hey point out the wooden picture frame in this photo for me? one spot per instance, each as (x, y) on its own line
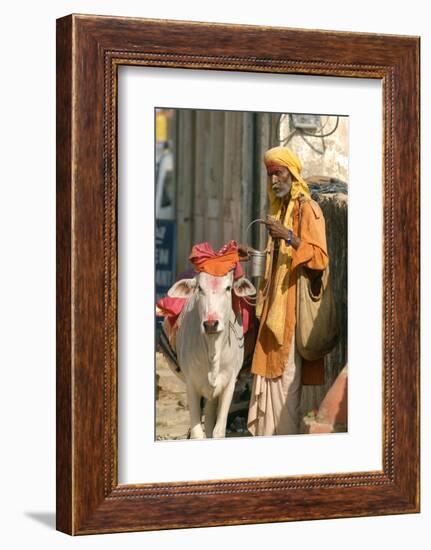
(89, 51)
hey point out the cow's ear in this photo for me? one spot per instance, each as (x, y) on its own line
(182, 288)
(243, 287)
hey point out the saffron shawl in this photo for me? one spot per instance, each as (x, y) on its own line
(277, 307)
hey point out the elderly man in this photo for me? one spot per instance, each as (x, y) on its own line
(296, 228)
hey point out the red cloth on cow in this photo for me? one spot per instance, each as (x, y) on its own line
(170, 308)
(246, 310)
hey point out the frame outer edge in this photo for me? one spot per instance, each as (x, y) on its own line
(64, 368)
(80, 504)
(407, 288)
(90, 423)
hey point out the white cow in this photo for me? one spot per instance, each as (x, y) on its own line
(210, 347)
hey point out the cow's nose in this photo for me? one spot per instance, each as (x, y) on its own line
(210, 326)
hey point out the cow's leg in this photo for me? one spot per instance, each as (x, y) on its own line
(210, 416)
(224, 401)
(194, 400)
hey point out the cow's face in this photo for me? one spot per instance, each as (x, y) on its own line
(214, 301)
(214, 298)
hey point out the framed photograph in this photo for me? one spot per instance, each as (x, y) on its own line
(224, 187)
(237, 274)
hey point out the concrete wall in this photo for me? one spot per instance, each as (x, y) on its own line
(326, 156)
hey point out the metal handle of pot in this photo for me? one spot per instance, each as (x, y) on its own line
(260, 220)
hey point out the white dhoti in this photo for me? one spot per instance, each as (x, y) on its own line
(274, 402)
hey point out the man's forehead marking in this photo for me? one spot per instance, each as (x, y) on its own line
(273, 167)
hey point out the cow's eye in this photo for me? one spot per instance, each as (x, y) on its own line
(200, 289)
(228, 288)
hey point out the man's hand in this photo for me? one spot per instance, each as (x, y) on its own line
(278, 231)
(243, 252)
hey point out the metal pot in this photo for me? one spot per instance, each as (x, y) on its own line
(257, 258)
(257, 263)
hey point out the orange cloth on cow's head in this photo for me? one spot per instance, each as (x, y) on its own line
(218, 263)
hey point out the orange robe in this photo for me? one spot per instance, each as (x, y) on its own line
(270, 358)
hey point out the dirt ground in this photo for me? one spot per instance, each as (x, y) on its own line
(172, 415)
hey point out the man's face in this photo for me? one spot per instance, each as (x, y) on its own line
(281, 181)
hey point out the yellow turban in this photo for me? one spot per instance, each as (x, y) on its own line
(275, 320)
